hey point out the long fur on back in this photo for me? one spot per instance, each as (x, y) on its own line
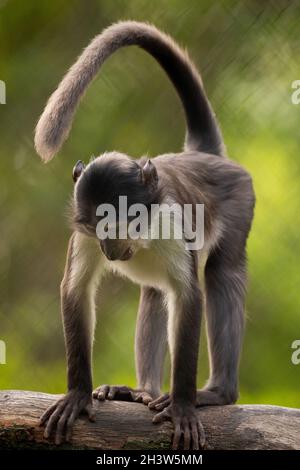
(203, 133)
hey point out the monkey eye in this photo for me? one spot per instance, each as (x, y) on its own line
(77, 170)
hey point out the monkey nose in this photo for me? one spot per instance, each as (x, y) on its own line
(111, 256)
(127, 254)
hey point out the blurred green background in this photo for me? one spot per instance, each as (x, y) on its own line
(248, 54)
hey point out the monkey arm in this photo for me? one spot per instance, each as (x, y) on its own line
(185, 309)
(77, 299)
(184, 331)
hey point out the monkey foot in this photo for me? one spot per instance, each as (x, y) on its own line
(187, 426)
(59, 418)
(122, 393)
(211, 397)
(205, 397)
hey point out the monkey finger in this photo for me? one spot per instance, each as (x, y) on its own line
(70, 423)
(195, 436)
(176, 435)
(61, 424)
(186, 434)
(45, 416)
(53, 420)
(201, 433)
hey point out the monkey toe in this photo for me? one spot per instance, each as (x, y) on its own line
(160, 403)
(164, 415)
(101, 392)
(113, 392)
(142, 397)
(207, 397)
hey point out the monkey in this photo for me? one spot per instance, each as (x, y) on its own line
(172, 299)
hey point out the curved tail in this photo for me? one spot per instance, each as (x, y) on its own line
(203, 133)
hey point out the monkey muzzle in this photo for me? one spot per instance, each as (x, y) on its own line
(114, 250)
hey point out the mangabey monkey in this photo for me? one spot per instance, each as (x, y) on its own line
(171, 299)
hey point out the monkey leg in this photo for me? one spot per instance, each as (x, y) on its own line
(150, 349)
(225, 281)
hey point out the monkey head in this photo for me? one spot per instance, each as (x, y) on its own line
(100, 184)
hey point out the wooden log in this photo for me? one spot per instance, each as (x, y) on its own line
(125, 426)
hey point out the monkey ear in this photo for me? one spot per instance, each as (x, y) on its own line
(77, 170)
(149, 174)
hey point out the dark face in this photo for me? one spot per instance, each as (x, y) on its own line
(103, 181)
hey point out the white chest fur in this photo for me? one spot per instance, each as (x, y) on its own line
(158, 265)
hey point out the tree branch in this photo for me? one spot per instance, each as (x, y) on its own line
(123, 425)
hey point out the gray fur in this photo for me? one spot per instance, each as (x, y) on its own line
(55, 123)
(184, 352)
(199, 175)
(78, 338)
(150, 340)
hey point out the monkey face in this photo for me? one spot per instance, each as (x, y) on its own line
(102, 183)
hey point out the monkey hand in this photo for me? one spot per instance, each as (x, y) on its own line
(186, 423)
(59, 418)
(122, 393)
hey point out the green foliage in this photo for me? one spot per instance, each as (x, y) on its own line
(245, 51)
